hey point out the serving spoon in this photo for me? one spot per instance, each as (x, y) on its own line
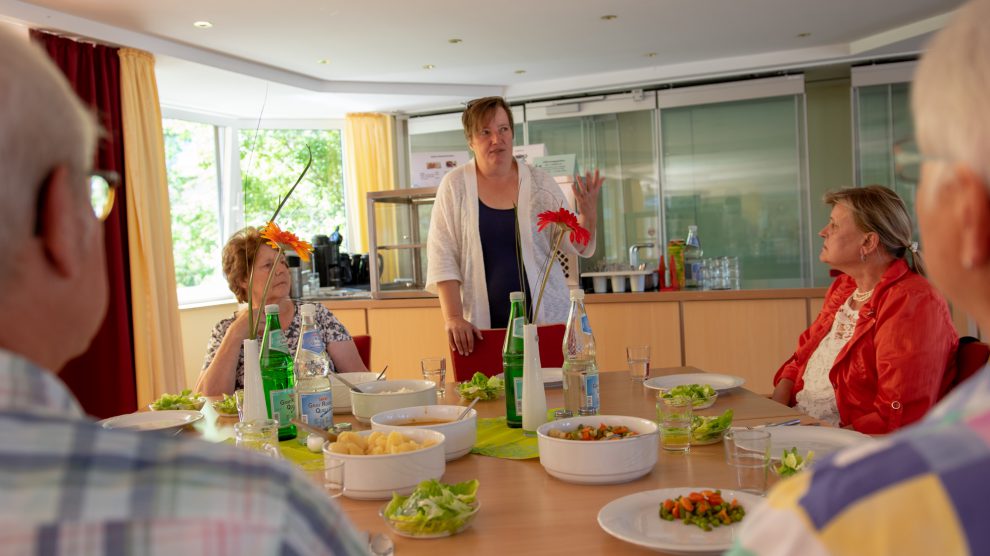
(467, 409)
(381, 374)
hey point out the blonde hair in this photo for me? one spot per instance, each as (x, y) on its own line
(480, 110)
(238, 259)
(880, 210)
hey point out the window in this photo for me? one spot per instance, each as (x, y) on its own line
(223, 176)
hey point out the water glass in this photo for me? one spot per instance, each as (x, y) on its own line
(675, 423)
(747, 451)
(730, 266)
(333, 475)
(638, 358)
(260, 435)
(435, 370)
(239, 400)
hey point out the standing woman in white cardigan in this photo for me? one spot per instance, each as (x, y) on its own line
(472, 244)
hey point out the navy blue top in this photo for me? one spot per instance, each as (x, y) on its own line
(497, 228)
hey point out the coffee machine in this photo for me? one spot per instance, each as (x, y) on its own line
(326, 261)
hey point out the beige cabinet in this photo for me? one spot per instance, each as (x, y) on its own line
(401, 337)
(617, 325)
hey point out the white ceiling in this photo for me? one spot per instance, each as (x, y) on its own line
(261, 56)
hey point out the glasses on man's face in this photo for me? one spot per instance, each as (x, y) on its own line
(102, 191)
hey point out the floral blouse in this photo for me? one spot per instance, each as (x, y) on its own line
(331, 328)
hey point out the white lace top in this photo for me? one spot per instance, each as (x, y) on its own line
(817, 398)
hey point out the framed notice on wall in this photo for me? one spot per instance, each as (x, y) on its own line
(427, 169)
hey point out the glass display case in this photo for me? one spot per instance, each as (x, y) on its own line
(398, 223)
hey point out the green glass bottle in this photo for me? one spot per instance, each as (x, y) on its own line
(277, 376)
(512, 360)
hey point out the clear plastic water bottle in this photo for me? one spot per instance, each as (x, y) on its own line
(512, 360)
(314, 400)
(580, 366)
(692, 259)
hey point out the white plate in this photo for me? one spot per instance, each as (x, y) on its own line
(720, 383)
(152, 420)
(823, 440)
(553, 376)
(636, 519)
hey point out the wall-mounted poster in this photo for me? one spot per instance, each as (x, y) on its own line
(427, 169)
(529, 153)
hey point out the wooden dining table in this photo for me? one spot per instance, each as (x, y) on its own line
(525, 510)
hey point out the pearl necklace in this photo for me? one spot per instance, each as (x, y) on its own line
(860, 297)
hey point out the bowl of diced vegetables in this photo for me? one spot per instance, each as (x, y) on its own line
(710, 430)
(183, 400)
(598, 449)
(482, 387)
(702, 396)
(433, 510)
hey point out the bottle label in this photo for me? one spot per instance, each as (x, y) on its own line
(283, 404)
(276, 341)
(312, 341)
(585, 325)
(517, 327)
(316, 408)
(518, 386)
(590, 391)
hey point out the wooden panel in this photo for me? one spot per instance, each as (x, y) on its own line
(750, 339)
(617, 325)
(814, 307)
(354, 320)
(401, 337)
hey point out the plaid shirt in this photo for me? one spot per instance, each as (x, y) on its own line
(68, 486)
(921, 491)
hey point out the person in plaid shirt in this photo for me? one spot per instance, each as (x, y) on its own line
(923, 490)
(68, 486)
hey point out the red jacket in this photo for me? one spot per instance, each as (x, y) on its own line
(890, 371)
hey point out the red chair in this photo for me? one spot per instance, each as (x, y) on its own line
(363, 344)
(487, 355)
(971, 356)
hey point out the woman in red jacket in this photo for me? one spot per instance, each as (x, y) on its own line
(874, 358)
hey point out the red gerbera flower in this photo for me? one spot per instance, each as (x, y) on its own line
(287, 240)
(567, 219)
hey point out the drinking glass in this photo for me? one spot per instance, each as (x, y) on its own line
(260, 435)
(747, 451)
(675, 423)
(732, 276)
(239, 400)
(435, 370)
(638, 358)
(333, 475)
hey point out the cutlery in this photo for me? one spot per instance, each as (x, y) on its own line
(782, 423)
(325, 435)
(347, 383)
(467, 409)
(381, 374)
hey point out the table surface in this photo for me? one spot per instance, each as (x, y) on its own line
(522, 505)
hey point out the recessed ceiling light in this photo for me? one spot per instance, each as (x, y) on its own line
(323, 61)
(609, 17)
(520, 72)
(803, 35)
(202, 24)
(650, 54)
(455, 41)
(428, 66)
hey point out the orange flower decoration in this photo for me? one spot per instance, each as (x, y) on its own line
(287, 240)
(565, 219)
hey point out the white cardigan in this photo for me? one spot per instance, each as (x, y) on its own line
(454, 245)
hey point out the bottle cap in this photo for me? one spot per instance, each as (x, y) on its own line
(341, 427)
(516, 296)
(577, 294)
(562, 414)
(271, 309)
(692, 228)
(587, 411)
(307, 310)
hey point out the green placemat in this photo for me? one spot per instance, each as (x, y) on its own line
(497, 440)
(298, 454)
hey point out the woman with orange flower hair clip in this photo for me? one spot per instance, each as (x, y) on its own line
(223, 369)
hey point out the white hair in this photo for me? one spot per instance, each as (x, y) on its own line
(951, 111)
(43, 124)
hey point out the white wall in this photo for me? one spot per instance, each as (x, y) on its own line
(197, 324)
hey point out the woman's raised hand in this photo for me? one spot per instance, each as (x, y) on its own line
(586, 194)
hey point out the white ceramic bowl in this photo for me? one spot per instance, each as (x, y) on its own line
(599, 462)
(377, 477)
(460, 434)
(342, 394)
(381, 395)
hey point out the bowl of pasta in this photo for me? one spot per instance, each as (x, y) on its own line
(378, 463)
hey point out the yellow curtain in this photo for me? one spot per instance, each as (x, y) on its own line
(369, 145)
(158, 359)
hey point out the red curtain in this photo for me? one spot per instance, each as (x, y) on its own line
(103, 377)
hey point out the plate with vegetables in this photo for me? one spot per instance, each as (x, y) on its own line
(433, 510)
(710, 430)
(482, 387)
(185, 400)
(640, 518)
(702, 396)
(721, 383)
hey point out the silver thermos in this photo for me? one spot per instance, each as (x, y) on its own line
(295, 276)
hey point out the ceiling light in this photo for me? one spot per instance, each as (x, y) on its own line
(323, 61)
(520, 72)
(202, 24)
(455, 41)
(650, 54)
(428, 66)
(803, 35)
(609, 17)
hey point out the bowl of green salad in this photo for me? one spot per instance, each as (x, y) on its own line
(183, 400)
(710, 430)
(433, 510)
(702, 395)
